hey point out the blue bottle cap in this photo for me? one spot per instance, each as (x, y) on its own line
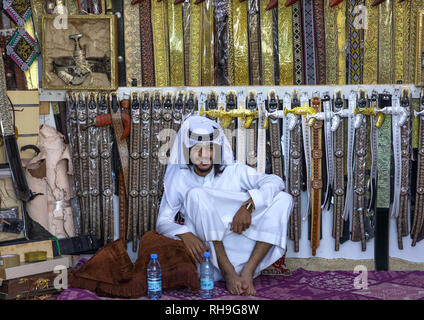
(153, 256)
(207, 254)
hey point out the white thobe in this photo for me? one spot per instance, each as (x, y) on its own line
(209, 204)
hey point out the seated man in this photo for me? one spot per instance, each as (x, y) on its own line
(229, 209)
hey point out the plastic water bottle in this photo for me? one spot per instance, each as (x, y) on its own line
(206, 277)
(154, 278)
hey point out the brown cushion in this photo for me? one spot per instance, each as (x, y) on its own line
(111, 273)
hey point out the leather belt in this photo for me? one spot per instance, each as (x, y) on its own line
(132, 43)
(241, 43)
(316, 182)
(145, 158)
(253, 20)
(93, 167)
(285, 45)
(402, 221)
(339, 168)
(359, 184)
(189, 104)
(195, 45)
(371, 44)
(295, 165)
(274, 135)
(176, 45)
(146, 37)
(84, 159)
(252, 132)
(134, 212)
(417, 230)
(267, 52)
(72, 120)
(155, 127)
(261, 144)
(319, 25)
(160, 43)
(106, 183)
(297, 44)
(231, 104)
(241, 131)
(348, 209)
(309, 42)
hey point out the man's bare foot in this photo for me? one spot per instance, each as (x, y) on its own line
(247, 282)
(234, 283)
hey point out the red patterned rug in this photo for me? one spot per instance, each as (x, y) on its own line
(305, 285)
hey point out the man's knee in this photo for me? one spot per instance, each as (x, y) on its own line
(284, 200)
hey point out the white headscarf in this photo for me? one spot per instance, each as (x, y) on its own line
(196, 129)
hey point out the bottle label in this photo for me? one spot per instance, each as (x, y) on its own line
(206, 284)
(154, 284)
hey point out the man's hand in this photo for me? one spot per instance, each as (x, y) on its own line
(194, 246)
(241, 220)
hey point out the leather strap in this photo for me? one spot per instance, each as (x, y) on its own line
(145, 160)
(359, 184)
(261, 144)
(253, 20)
(240, 44)
(160, 43)
(339, 169)
(319, 26)
(241, 131)
(285, 45)
(316, 181)
(297, 44)
(295, 170)
(274, 136)
(107, 186)
(348, 209)
(146, 38)
(418, 220)
(252, 132)
(84, 156)
(231, 104)
(371, 44)
(72, 120)
(404, 204)
(132, 43)
(309, 42)
(155, 127)
(93, 168)
(267, 45)
(134, 212)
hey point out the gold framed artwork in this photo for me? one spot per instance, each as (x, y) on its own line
(80, 53)
(419, 60)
